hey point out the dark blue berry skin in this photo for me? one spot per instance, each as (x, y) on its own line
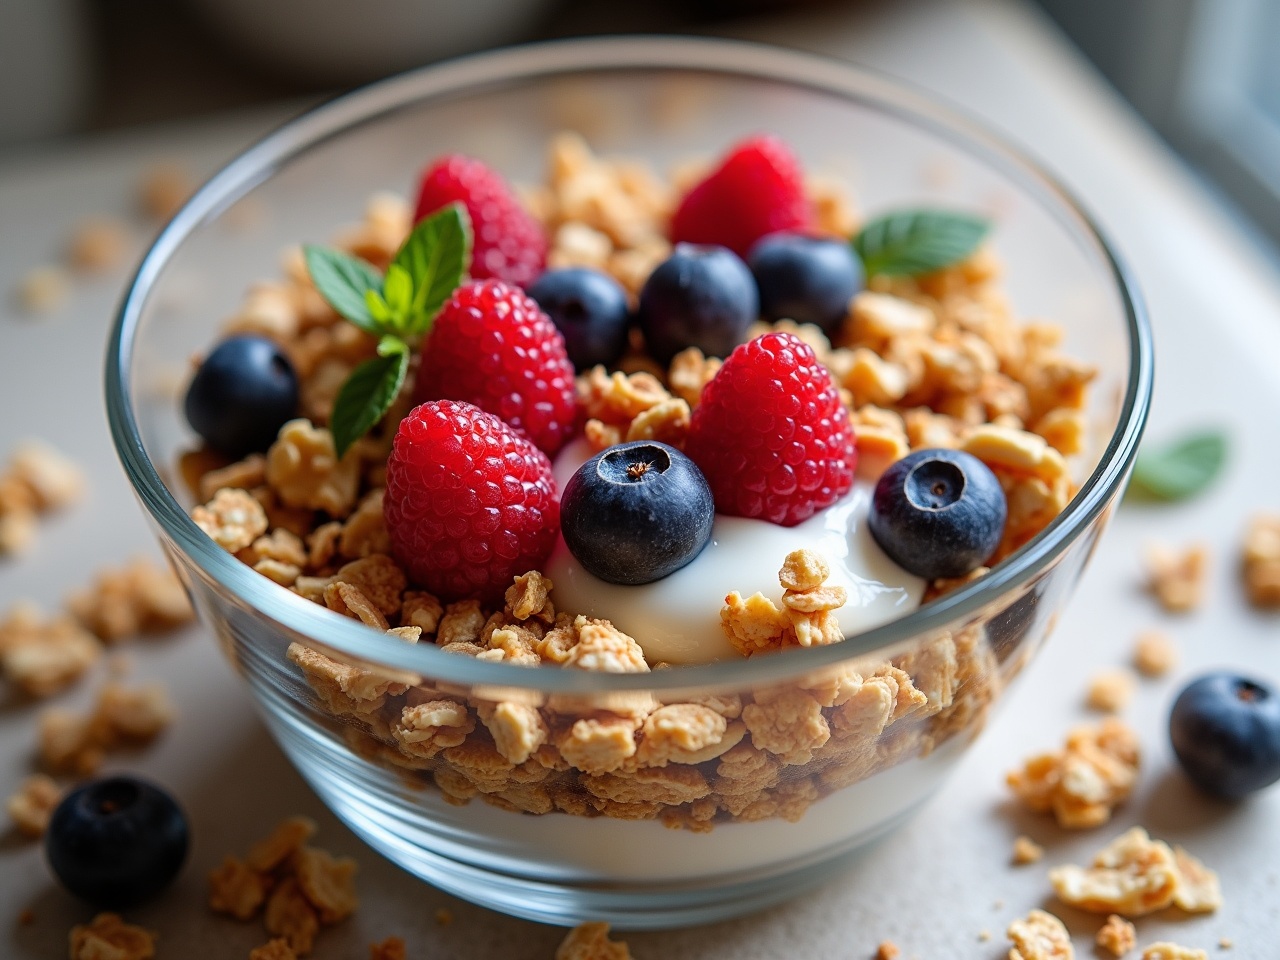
(241, 396)
(938, 513)
(805, 279)
(1225, 730)
(700, 296)
(590, 310)
(116, 842)
(636, 512)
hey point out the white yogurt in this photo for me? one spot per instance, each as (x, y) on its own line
(677, 618)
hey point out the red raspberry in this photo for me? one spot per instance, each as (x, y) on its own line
(508, 244)
(469, 504)
(771, 435)
(492, 346)
(758, 189)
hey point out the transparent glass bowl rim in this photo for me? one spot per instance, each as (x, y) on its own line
(537, 61)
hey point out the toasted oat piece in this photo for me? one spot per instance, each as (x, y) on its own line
(1117, 936)
(391, 948)
(1026, 850)
(97, 244)
(1260, 561)
(590, 941)
(1177, 578)
(107, 937)
(1171, 951)
(1110, 690)
(1084, 781)
(141, 597)
(1154, 654)
(1136, 875)
(43, 290)
(1040, 936)
(887, 950)
(275, 949)
(32, 805)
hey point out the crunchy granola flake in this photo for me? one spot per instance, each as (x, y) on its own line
(1040, 936)
(1117, 936)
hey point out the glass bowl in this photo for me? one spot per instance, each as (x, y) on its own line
(814, 753)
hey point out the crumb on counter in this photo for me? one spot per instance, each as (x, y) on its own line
(1039, 936)
(31, 806)
(1117, 936)
(137, 599)
(75, 743)
(888, 950)
(1154, 654)
(37, 480)
(275, 949)
(1171, 951)
(97, 244)
(444, 917)
(590, 941)
(1026, 850)
(164, 188)
(1135, 875)
(43, 290)
(42, 656)
(108, 937)
(1110, 690)
(1176, 577)
(392, 948)
(1260, 561)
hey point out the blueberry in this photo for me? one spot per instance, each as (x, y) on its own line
(590, 310)
(1225, 730)
(938, 513)
(116, 842)
(636, 512)
(242, 395)
(805, 279)
(700, 296)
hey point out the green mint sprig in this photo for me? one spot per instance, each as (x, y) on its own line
(397, 308)
(1180, 469)
(913, 242)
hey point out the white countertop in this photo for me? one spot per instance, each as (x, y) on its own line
(946, 876)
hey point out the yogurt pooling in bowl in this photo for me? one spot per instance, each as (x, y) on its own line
(677, 619)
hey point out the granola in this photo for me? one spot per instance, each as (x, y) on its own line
(1026, 850)
(1154, 654)
(1110, 690)
(1081, 783)
(1040, 936)
(1177, 578)
(590, 941)
(32, 805)
(108, 937)
(1171, 951)
(1260, 561)
(1135, 875)
(1117, 936)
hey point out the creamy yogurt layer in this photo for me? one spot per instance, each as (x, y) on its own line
(677, 619)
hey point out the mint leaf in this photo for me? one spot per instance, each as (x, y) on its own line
(1180, 469)
(436, 257)
(912, 242)
(344, 280)
(366, 397)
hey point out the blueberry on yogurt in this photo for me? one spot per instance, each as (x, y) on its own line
(636, 512)
(938, 513)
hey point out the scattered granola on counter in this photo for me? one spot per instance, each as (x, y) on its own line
(1154, 654)
(31, 806)
(43, 290)
(298, 888)
(40, 656)
(274, 949)
(1171, 951)
(1111, 690)
(888, 950)
(590, 941)
(97, 244)
(1136, 875)
(1083, 782)
(75, 743)
(37, 480)
(392, 948)
(1260, 561)
(108, 937)
(137, 599)
(1117, 936)
(1026, 850)
(1176, 577)
(1039, 936)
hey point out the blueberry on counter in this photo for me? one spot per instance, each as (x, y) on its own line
(241, 396)
(700, 296)
(590, 310)
(636, 512)
(1225, 730)
(805, 279)
(938, 513)
(116, 842)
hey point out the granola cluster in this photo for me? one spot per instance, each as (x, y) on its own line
(37, 480)
(108, 937)
(75, 744)
(1081, 783)
(1136, 875)
(298, 889)
(805, 619)
(1260, 561)
(1040, 936)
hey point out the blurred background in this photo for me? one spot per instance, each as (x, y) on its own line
(1205, 74)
